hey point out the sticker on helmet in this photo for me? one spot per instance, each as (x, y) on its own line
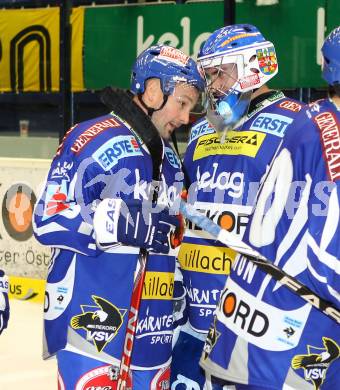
(174, 55)
(267, 60)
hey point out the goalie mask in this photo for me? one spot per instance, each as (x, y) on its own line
(331, 59)
(235, 60)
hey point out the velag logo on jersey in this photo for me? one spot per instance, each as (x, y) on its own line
(316, 362)
(271, 123)
(101, 323)
(115, 149)
(246, 143)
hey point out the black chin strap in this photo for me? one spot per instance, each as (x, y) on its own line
(121, 102)
(185, 172)
(150, 110)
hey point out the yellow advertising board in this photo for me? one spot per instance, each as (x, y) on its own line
(27, 289)
(30, 49)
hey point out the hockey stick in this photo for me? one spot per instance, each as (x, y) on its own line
(121, 103)
(233, 242)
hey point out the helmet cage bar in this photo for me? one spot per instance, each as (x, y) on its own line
(222, 89)
(227, 74)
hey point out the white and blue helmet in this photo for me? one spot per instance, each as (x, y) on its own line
(253, 61)
(169, 65)
(331, 58)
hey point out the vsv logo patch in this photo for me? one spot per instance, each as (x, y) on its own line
(101, 323)
(316, 362)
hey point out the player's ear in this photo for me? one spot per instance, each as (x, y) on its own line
(153, 93)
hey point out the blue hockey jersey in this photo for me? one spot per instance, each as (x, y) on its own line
(263, 334)
(88, 290)
(224, 181)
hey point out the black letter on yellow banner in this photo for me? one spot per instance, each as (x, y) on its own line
(41, 36)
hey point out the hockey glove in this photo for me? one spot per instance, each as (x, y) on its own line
(4, 304)
(135, 223)
(176, 237)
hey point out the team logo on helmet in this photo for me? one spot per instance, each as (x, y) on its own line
(267, 60)
(101, 323)
(316, 362)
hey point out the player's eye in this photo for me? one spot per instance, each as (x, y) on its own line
(182, 102)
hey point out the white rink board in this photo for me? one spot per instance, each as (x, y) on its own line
(21, 364)
(21, 255)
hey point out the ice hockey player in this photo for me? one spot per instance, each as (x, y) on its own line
(265, 336)
(102, 177)
(229, 151)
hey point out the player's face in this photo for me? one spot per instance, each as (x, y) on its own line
(176, 111)
(221, 78)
